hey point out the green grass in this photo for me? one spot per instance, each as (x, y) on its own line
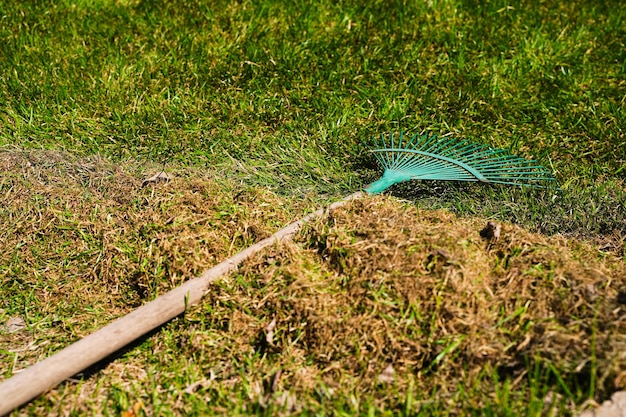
(280, 95)
(290, 90)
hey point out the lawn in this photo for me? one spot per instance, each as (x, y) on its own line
(261, 111)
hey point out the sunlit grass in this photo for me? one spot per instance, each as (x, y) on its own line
(278, 97)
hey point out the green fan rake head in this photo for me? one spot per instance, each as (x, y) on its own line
(428, 157)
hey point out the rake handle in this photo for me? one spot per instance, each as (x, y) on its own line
(45, 375)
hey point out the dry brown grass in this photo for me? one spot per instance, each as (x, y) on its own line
(376, 306)
(83, 242)
(379, 283)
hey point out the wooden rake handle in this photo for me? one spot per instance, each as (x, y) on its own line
(45, 375)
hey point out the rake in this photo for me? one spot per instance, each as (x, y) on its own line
(428, 157)
(422, 157)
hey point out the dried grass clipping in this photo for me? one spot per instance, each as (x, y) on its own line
(378, 285)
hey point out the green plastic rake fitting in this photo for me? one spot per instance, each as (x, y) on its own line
(428, 157)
